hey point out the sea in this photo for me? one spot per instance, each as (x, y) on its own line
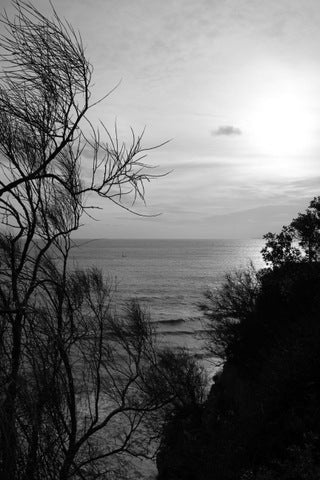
(168, 278)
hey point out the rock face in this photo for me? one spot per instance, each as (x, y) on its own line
(265, 403)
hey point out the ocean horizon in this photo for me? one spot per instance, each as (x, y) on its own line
(167, 276)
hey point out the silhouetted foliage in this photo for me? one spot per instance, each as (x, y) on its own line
(307, 228)
(227, 310)
(261, 420)
(187, 381)
(279, 249)
(304, 230)
(179, 373)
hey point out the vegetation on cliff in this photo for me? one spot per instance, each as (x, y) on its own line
(262, 417)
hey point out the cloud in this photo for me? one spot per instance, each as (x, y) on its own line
(227, 130)
(252, 223)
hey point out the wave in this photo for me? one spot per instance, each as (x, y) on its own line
(174, 321)
(175, 333)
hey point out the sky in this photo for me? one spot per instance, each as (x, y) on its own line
(234, 85)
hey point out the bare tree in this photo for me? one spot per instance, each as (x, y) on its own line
(68, 367)
(227, 309)
(85, 394)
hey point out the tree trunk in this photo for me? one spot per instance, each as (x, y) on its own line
(8, 420)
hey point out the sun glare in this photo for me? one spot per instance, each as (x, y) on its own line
(281, 125)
